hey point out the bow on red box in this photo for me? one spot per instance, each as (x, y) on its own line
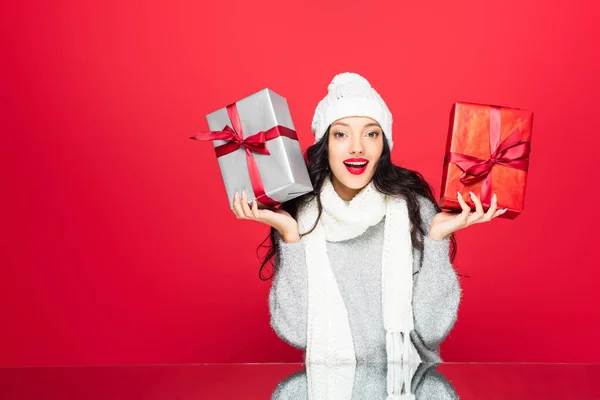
(252, 144)
(512, 152)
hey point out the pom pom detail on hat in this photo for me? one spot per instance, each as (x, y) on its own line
(351, 95)
(346, 78)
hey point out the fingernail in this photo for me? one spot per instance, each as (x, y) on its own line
(236, 195)
(494, 196)
(503, 211)
(244, 193)
(459, 195)
(472, 194)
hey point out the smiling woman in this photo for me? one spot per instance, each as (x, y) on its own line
(362, 267)
(361, 138)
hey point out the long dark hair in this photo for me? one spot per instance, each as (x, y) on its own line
(388, 179)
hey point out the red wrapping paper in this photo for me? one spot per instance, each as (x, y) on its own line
(487, 151)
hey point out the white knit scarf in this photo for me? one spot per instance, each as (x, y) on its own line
(329, 338)
(336, 382)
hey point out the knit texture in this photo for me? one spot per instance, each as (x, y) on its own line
(351, 95)
(329, 337)
(356, 264)
(370, 383)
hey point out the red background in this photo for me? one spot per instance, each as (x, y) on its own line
(258, 381)
(117, 245)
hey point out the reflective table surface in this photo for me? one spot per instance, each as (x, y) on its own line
(292, 381)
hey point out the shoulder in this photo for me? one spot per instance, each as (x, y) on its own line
(294, 386)
(435, 386)
(427, 208)
(425, 202)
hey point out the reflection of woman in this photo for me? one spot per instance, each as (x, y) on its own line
(370, 382)
(362, 270)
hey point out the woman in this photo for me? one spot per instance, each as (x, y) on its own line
(369, 381)
(362, 265)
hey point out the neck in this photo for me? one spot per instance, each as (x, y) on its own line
(342, 190)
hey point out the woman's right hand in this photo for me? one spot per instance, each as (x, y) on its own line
(279, 219)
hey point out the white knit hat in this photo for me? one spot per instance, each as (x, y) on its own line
(351, 95)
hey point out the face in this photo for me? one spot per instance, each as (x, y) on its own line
(355, 146)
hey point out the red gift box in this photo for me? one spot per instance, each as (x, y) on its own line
(487, 152)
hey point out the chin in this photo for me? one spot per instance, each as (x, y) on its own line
(354, 182)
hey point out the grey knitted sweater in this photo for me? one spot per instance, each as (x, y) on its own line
(356, 264)
(370, 383)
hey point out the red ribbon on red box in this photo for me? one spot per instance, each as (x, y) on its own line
(511, 152)
(252, 144)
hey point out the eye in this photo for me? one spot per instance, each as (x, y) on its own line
(339, 134)
(373, 134)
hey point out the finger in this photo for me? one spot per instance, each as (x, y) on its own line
(491, 212)
(245, 207)
(263, 215)
(466, 210)
(500, 212)
(478, 214)
(461, 219)
(463, 204)
(255, 210)
(237, 207)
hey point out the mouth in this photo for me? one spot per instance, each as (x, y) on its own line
(356, 166)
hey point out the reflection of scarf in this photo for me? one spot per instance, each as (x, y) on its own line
(369, 383)
(329, 338)
(336, 382)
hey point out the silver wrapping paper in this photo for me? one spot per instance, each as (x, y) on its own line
(283, 171)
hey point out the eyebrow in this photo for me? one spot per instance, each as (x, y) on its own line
(367, 125)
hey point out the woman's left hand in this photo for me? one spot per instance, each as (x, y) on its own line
(445, 223)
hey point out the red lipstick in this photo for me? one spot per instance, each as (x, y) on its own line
(356, 166)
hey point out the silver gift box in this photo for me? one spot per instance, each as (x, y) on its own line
(283, 171)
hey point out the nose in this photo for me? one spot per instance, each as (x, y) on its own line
(356, 145)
